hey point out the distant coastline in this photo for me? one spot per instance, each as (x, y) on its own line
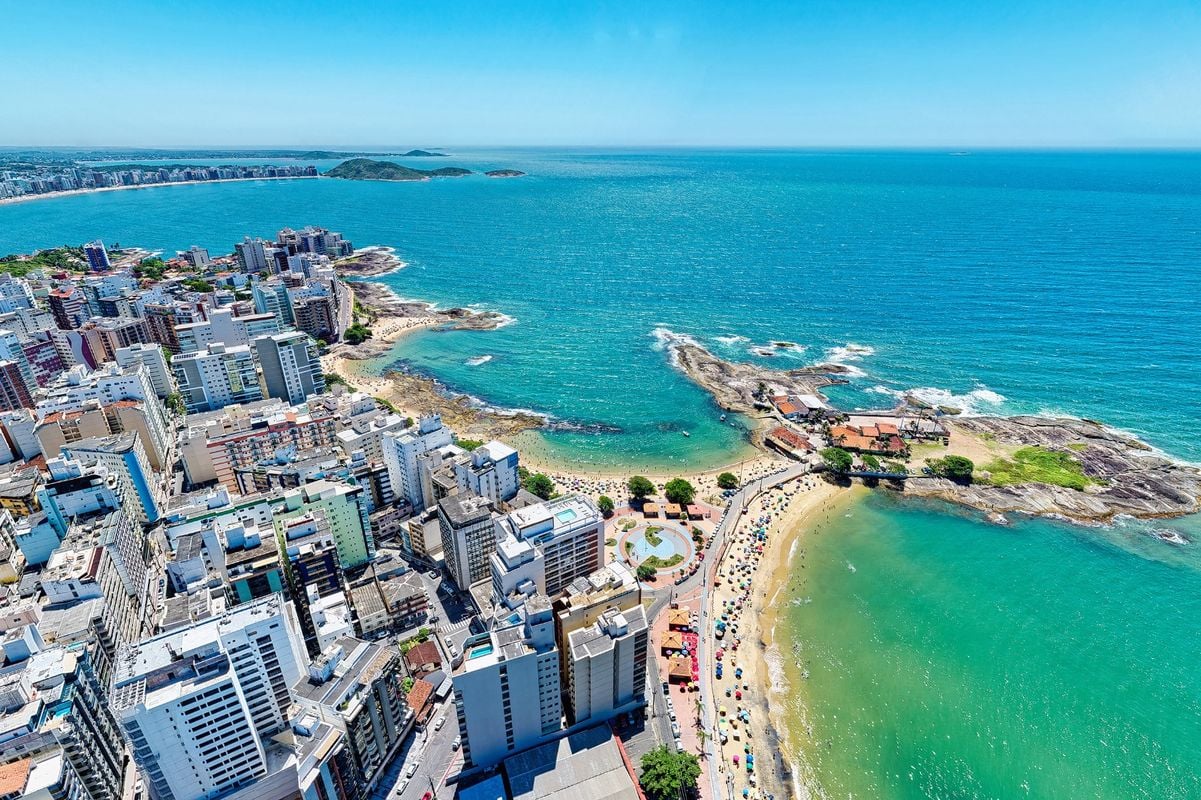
(69, 192)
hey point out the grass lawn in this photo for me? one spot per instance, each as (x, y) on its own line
(652, 536)
(654, 562)
(1038, 465)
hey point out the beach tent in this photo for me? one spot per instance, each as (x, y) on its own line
(672, 640)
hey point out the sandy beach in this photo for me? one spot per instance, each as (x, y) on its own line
(70, 192)
(785, 514)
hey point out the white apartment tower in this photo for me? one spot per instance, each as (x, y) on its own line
(151, 356)
(507, 689)
(291, 367)
(216, 377)
(543, 548)
(199, 704)
(400, 452)
(489, 471)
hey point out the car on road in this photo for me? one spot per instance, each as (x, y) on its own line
(457, 743)
(675, 729)
(412, 770)
(666, 687)
(433, 574)
(427, 796)
(441, 721)
(400, 787)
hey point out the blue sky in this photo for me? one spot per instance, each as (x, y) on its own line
(854, 74)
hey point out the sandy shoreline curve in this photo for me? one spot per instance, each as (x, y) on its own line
(4, 201)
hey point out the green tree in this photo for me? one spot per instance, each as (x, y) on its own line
(645, 572)
(678, 490)
(668, 775)
(540, 485)
(357, 333)
(468, 444)
(955, 468)
(640, 487)
(606, 505)
(836, 459)
(727, 480)
(175, 403)
(871, 462)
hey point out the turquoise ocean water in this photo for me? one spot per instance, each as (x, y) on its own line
(998, 282)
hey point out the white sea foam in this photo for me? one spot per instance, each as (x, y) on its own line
(850, 351)
(731, 340)
(972, 404)
(475, 361)
(668, 340)
(505, 320)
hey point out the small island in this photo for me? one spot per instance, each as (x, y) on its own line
(504, 173)
(366, 169)
(422, 154)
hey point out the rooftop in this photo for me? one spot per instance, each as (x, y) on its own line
(584, 766)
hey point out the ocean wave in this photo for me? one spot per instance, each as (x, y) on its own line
(667, 340)
(731, 339)
(475, 361)
(851, 351)
(969, 404)
(505, 320)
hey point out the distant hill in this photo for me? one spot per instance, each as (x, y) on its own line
(422, 154)
(366, 169)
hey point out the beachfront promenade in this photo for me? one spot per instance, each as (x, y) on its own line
(703, 579)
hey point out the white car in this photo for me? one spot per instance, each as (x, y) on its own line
(400, 787)
(457, 743)
(441, 721)
(412, 770)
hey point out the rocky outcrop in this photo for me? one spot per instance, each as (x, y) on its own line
(736, 387)
(1131, 478)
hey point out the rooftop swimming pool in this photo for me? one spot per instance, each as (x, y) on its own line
(481, 651)
(566, 515)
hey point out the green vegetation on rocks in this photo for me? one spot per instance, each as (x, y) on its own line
(1038, 465)
(367, 169)
(57, 259)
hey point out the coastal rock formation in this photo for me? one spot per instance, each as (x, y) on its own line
(369, 262)
(736, 387)
(1132, 479)
(504, 173)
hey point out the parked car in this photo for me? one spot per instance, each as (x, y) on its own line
(441, 721)
(412, 770)
(400, 787)
(433, 574)
(457, 743)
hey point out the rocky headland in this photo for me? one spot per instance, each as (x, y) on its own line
(1121, 475)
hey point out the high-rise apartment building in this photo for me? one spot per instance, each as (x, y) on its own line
(507, 691)
(216, 377)
(468, 537)
(199, 704)
(291, 367)
(400, 453)
(543, 548)
(97, 255)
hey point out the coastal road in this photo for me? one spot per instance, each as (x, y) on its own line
(716, 550)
